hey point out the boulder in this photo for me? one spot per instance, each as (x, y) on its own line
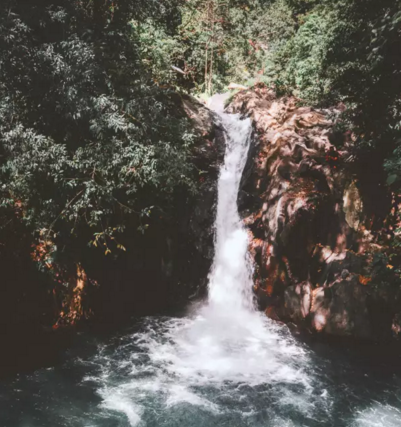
(297, 301)
(341, 309)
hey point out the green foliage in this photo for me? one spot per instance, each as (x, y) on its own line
(273, 25)
(214, 45)
(300, 7)
(87, 139)
(304, 57)
(205, 31)
(160, 51)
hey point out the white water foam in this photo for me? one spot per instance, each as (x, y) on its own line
(210, 357)
(379, 415)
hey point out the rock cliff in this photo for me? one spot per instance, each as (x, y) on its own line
(319, 260)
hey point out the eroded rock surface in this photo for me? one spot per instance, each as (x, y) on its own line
(308, 229)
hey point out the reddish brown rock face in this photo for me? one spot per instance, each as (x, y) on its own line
(305, 215)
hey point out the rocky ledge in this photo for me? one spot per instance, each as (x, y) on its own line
(321, 260)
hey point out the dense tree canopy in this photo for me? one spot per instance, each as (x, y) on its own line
(86, 135)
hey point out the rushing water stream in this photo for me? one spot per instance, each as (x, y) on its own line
(222, 364)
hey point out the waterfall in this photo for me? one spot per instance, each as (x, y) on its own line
(230, 282)
(206, 358)
(223, 364)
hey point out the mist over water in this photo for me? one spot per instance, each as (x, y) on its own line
(224, 364)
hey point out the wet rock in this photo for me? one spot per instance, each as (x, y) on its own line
(335, 266)
(297, 301)
(312, 241)
(341, 309)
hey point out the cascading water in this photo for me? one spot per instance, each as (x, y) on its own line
(223, 365)
(230, 284)
(202, 365)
